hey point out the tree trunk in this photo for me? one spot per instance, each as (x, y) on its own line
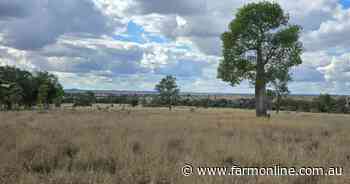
(260, 87)
(9, 106)
(170, 103)
(260, 103)
(278, 106)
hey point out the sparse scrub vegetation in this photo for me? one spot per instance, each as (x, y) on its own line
(151, 144)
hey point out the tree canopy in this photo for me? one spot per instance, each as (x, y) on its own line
(168, 91)
(259, 44)
(23, 88)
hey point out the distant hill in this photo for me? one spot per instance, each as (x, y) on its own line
(112, 92)
(129, 92)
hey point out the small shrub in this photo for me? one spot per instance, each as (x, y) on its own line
(176, 145)
(136, 148)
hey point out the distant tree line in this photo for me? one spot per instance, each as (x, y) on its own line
(325, 103)
(204, 102)
(21, 89)
(89, 98)
(322, 104)
(169, 96)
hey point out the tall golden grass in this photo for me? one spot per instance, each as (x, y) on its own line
(149, 146)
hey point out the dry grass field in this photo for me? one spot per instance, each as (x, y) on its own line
(149, 146)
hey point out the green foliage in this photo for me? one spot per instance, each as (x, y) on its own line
(326, 103)
(341, 105)
(134, 101)
(91, 96)
(54, 88)
(259, 44)
(280, 86)
(13, 95)
(271, 93)
(22, 88)
(16, 87)
(84, 99)
(291, 104)
(144, 101)
(43, 94)
(259, 26)
(168, 91)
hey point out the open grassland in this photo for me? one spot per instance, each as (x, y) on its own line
(149, 146)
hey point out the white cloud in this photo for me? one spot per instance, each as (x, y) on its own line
(338, 70)
(337, 74)
(75, 40)
(14, 57)
(206, 20)
(316, 59)
(43, 22)
(332, 34)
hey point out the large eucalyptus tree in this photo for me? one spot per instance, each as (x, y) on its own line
(259, 43)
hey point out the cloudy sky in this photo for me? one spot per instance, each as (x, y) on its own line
(132, 44)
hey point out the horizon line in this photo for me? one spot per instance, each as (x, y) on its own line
(221, 93)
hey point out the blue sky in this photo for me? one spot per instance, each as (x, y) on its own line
(135, 33)
(345, 3)
(132, 44)
(132, 34)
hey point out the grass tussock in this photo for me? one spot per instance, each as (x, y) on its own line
(149, 146)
